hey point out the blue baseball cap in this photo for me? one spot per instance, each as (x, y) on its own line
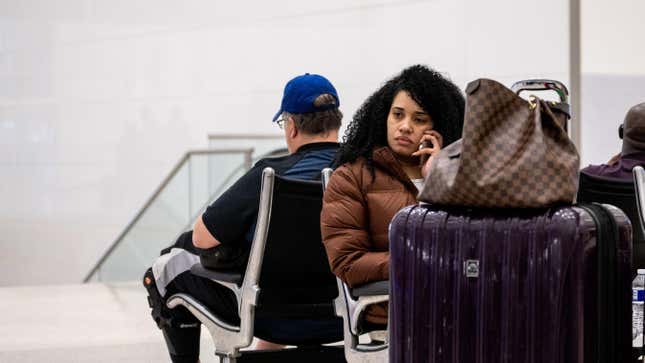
(301, 92)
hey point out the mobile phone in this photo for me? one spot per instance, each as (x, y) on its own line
(428, 143)
(424, 145)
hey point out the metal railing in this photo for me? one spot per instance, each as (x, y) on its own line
(261, 143)
(245, 137)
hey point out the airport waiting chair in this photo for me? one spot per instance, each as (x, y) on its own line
(620, 193)
(287, 279)
(639, 186)
(350, 305)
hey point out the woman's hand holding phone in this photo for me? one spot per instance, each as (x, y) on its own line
(431, 143)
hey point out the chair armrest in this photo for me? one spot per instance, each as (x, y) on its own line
(350, 305)
(639, 188)
(200, 311)
(219, 276)
(371, 289)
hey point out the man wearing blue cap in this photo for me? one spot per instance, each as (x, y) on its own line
(222, 236)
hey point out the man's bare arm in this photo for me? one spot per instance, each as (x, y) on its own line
(202, 238)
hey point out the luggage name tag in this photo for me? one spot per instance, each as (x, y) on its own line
(471, 268)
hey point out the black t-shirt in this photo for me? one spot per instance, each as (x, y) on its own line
(231, 218)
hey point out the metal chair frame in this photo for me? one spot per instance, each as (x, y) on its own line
(231, 338)
(639, 186)
(351, 304)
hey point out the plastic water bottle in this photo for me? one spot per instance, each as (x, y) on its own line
(638, 301)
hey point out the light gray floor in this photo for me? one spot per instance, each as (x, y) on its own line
(81, 323)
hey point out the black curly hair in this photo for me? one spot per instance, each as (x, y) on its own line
(438, 96)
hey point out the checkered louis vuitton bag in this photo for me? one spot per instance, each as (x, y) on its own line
(513, 154)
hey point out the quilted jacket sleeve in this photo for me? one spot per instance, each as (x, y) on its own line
(345, 231)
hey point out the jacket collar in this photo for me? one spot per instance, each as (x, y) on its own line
(384, 159)
(317, 146)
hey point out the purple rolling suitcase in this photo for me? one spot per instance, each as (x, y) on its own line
(510, 286)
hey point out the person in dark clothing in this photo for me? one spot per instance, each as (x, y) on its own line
(632, 131)
(310, 118)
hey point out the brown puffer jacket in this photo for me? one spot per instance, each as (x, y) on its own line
(355, 218)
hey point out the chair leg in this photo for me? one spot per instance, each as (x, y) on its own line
(225, 358)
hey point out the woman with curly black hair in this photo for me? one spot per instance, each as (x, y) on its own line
(380, 171)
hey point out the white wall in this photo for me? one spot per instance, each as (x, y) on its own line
(98, 98)
(613, 72)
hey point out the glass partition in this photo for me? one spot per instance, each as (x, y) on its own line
(261, 143)
(201, 176)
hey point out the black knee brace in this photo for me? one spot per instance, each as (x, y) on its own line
(180, 329)
(182, 343)
(156, 302)
(160, 313)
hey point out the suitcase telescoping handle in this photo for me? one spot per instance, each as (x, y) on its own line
(546, 85)
(542, 85)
